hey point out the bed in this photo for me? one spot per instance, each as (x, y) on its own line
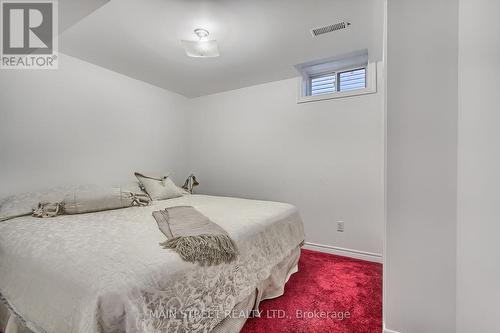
(105, 272)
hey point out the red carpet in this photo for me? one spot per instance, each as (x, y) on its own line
(326, 288)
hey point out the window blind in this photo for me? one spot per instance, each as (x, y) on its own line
(323, 84)
(352, 80)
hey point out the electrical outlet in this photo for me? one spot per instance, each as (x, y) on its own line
(340, 226)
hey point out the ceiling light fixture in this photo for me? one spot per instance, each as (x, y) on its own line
(202, 48)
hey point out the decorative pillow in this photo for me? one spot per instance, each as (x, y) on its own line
(160, 187)
(190, 183)
(24, 203)
(102, 199)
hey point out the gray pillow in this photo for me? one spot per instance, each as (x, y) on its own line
(24, 203)
(159, 187)
(97, 200)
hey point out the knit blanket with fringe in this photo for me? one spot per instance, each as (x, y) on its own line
(194, 236)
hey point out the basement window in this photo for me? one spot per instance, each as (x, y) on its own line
(335, 78)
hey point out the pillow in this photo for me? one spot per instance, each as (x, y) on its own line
(160, 188)
(190, 183)
(101, 199)
(24, 203)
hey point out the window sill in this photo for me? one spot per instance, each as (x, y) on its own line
(307, 99)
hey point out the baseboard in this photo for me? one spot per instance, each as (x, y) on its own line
(374, 257)
(386, 330)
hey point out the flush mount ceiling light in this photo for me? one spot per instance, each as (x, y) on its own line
(202, 48)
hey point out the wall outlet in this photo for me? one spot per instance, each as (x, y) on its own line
(340, 226)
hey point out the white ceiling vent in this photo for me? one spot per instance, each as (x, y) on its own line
(330, 28)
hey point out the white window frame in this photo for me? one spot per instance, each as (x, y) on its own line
(371, 86)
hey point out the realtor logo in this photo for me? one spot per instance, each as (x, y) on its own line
(28, 30)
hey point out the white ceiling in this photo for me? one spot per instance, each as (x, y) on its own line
(72, 11)
(259, 40)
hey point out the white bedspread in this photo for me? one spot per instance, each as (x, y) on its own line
(105, 272)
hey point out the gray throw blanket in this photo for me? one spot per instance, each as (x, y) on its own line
(194, 237)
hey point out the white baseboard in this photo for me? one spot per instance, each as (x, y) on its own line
(386, 330)
(374, 257)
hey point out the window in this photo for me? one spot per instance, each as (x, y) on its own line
(327, 83)
(335, 77)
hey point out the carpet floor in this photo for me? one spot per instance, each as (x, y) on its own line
(330, 294)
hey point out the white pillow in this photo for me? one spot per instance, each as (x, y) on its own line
(159, 187)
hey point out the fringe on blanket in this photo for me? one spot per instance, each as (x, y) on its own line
(204, 249)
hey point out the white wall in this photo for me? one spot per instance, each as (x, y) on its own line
(325, 157)
(85, 124)
(422, 107)
(478, 249)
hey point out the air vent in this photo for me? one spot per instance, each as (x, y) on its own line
(330, 28)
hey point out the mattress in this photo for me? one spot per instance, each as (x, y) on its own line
(105, 272)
